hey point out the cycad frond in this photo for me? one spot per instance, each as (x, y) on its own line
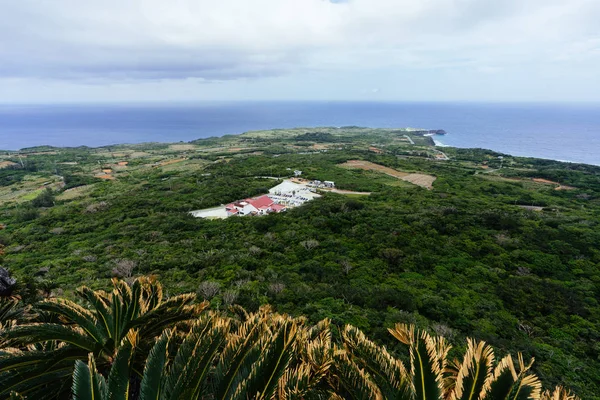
(101, 304)
(44, 332)
(74, 313)
(151, 386)
(389, 373)
(428, 359)
(352, 381)
(188, 375)
(87, 383)
(10, 309)
(499, 385)
(295, 384)
(559, 393)
(277, 351)
(237, 357)
(474, 373)
(118, 378)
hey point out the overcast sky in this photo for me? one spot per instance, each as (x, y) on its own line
(189, 50)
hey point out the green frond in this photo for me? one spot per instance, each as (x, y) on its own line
(270, 367)
(42, 332)
(235, 361)
(428, 358)
(389, 373)
(152, 293)
(475, 371)
(151, 387)
(74, 313)
(118, 377)
(37, 381)
(352, 382)
(499, 385)
(82, 382)
(295, 384)
(100, 301)
(9, 309)
(197, 354)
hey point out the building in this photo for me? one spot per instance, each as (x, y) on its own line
(257, 206)
(297, 173)
(329, 184)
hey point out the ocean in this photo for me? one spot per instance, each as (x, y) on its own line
(565, 132)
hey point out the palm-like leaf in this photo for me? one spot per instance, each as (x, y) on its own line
(389, 373)
(474, 372)
(559, 393)
(99, 330)
(428, 360)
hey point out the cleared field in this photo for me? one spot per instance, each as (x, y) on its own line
(5, 164)
(74, 193)
(422, 180)
(169, 162)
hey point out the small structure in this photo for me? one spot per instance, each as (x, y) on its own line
(297, 173)
(329, 184)
(282, 197)
(257, 206)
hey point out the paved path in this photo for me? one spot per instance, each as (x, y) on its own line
(340, 191)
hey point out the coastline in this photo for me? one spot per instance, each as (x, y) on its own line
(553, 131)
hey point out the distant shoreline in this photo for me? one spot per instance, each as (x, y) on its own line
(548, 131)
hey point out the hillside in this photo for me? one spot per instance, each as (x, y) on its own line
(498, 248)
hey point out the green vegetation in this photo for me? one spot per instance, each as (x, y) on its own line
(488, 253)
(135, 344)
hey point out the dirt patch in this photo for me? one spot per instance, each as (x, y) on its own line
(5, 164)
(422, 180)
(540, 180)
(106, 177)
(558, 185)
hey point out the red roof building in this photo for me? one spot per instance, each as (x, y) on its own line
(261, 203)
(278, 207)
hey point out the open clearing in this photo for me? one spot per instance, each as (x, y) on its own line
(211, 213)
(76, 192)
(558, 187)
(530, 182)
(422, 180)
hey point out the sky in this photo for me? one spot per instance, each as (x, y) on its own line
(64, 51)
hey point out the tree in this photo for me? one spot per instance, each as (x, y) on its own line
(44, 199)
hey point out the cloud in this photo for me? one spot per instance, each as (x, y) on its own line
(129, 40)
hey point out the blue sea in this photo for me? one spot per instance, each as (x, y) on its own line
(564, 132)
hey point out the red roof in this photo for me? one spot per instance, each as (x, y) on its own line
(261, 202)
(278, 207)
